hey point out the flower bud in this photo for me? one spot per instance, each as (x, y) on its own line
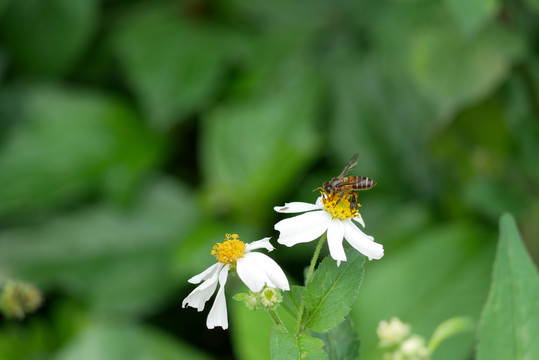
(392, 332)
(19, 298)
(270, 298)
(414, 348)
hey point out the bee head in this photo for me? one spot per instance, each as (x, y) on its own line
(327, 187)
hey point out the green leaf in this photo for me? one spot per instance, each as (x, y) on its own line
(125, 342)
(381, 134)
(438, 271)
(522, 122)
(533, 4)
(262, 143)
(447, 329)
(453, 71)
(491, 197)
(39, 337)
(3, 6)
(69, 143)
(250, 332)
(117, 260)
(332, 291)
(47, 37)
(292, 299)
(342, 342)
(288, 346)
(174, 64)
(471, 15)
(510, 320)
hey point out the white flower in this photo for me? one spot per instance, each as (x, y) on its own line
(332, 214)
(414, 348)
(392, 332)
(255, 269)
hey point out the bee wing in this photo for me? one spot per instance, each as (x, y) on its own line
(350, 165)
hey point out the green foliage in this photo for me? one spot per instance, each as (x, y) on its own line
(245, 144)
(173, 66)
(342, 342)
(533, 4)
(440, 274)
(250, 331)
(47, 37)
(472, 15)
(69, 143)
(447, 329)
(134, 135)
(439, 54)
(118, 259)
(125, 342)
(289, 346)
(510, 318)
(292, 299)
(38, 338)
(327, 299)
(332, 291)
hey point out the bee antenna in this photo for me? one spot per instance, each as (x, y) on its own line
(318, 188)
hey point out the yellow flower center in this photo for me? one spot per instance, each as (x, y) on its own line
(339, 207)
(229, 251)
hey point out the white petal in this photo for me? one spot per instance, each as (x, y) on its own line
(297, 206)
(335, 238)
(361, 242)
(302, 228)
(206, 274)
(359, 220)
(251, 273)
(202, 293)
(218, 315)
(256, 270)
(259, 244)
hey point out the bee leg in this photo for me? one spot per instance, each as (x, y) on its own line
(353, 201)
(340, 198)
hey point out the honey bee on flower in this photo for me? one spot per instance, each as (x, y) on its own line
(342, 185)
(335, 211)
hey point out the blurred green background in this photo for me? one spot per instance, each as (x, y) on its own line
(135, 134)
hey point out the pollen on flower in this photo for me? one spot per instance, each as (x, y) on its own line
(230, 250)
(338, 205)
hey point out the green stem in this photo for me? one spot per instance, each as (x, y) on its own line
(308, 280)
(276, 319)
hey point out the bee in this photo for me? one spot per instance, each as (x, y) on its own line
(342, 185)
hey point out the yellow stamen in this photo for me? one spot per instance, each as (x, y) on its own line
(229, 251)
(339, 209)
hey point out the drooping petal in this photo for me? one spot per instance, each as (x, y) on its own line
(359, 220)
(302, 228)
(218, 315)
(335, 238)
(256, 270)
(297, 206)
(202, 293)
(206, 274)
(251, 273)
(259, 244)
(361, 242)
